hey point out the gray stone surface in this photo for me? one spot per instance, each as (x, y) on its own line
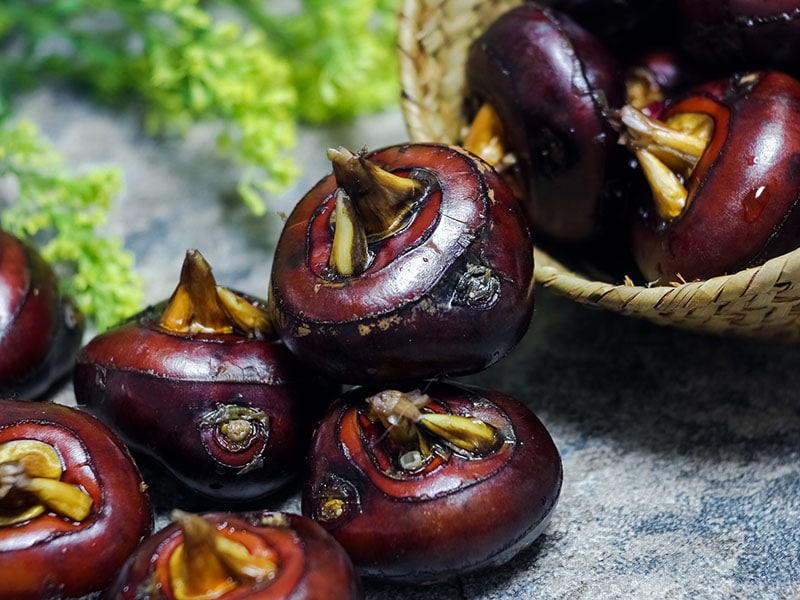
(680, 451)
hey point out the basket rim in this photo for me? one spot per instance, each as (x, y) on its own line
(555, 275)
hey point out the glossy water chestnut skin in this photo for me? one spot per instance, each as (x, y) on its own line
(40, 331)
(742, 206)
(449, 292)
(310, 565)
(552, 84)
(456, 512)
(227, 413)
(743, 34)
(52, 556)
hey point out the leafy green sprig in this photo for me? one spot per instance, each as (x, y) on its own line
(254, 72)
(60, 212)
(233, 62)
(181, 65)
(342, 54)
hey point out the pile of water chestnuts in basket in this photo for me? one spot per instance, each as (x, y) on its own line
(672, 125)
(654, 141)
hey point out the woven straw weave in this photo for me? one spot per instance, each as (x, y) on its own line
(761, 302)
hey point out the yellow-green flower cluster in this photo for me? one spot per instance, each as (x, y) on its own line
(204, 70)
(254, 73)
(60, 212)
(342, 54)
(233, 62)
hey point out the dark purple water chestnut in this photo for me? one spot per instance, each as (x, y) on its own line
(723, 165)
(420, 486)
(539, 90)
(743, 34)
(199, 384)
(257, 555)
(73, 505)
(412, 261)
(40, 330)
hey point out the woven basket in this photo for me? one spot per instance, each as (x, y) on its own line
(761, 302)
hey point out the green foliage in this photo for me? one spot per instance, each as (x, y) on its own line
(253, 71)
(342, 54)
(232, 62)
(60, 212)
(201, 70)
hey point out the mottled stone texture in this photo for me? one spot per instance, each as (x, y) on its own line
(681, 451)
